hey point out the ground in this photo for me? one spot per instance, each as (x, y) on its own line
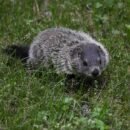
(32, 102)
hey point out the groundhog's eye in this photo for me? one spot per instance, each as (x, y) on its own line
(85, 63)
(99, 61)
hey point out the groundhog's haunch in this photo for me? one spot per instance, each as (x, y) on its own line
(69, 51)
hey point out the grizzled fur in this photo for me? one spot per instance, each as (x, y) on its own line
(70, 52)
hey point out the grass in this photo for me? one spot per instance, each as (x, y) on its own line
(41, 103)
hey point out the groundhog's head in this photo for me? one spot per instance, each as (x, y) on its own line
(89, 59)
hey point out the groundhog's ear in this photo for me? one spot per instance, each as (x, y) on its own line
(102, 56)
(75, 52)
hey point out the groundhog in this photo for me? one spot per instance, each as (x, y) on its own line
(69, 51)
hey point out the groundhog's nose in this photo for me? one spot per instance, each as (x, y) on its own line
(95, 72)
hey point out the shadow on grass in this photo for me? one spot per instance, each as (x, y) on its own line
(85, 83)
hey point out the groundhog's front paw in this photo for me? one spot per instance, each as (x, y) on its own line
(71, 83)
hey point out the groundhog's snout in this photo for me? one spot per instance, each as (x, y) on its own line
(95, 72)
